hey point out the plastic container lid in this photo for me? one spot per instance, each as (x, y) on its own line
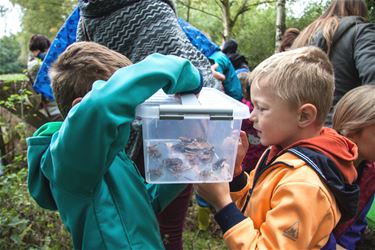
(211, 103)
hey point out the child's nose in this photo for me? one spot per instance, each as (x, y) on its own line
(252, 116)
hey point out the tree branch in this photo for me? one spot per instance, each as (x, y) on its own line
(200, 10)
(246, 7)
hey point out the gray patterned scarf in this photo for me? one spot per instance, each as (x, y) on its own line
(136, 29)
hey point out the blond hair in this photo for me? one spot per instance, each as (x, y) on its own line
(299, 76)
(328, 22)
(355, 110)
(78, 67)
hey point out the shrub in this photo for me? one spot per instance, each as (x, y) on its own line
(22, 223)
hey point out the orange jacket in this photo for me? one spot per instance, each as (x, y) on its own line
(294, 203)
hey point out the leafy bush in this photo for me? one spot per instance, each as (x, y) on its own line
(10, 50)
(22, 223)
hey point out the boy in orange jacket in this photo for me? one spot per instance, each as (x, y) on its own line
(303, 183)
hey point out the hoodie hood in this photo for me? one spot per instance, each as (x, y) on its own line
(38, 184)
(332, 157)
(97, 8)
(338, 148)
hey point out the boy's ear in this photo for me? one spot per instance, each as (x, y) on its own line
(307, 115)
(76, 101)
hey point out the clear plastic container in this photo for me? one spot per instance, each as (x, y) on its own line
(188, 139)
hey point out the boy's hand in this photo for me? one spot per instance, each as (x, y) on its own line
(216, 74)
(243, 146)
(216, 194)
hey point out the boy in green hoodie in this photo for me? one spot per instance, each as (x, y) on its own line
(79, 166)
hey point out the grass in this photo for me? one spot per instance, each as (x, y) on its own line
(194, 239)
(202, 240)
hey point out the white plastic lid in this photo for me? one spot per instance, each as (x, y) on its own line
(210, 100)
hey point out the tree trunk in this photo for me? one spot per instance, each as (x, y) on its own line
(227, 24)
(280, 22)
(188, 11)
(3, 160)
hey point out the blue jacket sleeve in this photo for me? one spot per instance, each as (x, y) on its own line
(231, 84)
(97, 128)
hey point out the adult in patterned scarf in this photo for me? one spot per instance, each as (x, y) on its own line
(137, 28)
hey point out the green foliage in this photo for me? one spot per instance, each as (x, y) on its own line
(210, 22)
(257, 40)
(202, 240)
(42, 17)
(22, 223)
(312, 12)
(371, 9)
(254, 30)
(9, 52)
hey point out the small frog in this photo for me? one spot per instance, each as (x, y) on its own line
(206, 155)
(175, 165)
(205, 174)
(155, 173)
(154, 151)
(185, 140)
(179, 147)
(220, 164)
(192, 158)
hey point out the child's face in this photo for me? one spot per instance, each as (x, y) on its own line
(275, 121)
(365, 140)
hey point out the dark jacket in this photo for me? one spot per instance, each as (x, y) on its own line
(352, 54)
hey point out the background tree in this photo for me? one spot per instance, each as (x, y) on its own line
(42, 17)
(280, 21)
(9, 53)
(3, 11)
(230, 11)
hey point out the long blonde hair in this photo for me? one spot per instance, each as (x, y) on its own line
(328, 22)
(355, 110)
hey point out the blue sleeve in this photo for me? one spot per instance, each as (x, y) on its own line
(353, 234)
(232, 86)
(97, 128)
(65, 37)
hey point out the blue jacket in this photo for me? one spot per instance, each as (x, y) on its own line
(65, 37)
(80, 168)
(231, 84)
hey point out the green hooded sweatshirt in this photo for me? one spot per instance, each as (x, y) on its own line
(79, 166)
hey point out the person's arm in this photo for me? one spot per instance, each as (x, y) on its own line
(292, 223)
(231, 84)
(97, 128)
(364, 52)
